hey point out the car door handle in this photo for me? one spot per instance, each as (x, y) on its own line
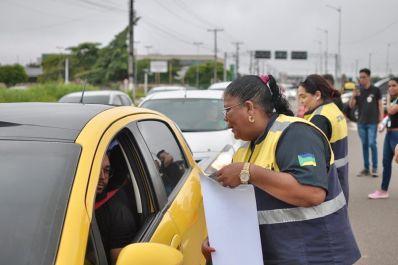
(176, 242)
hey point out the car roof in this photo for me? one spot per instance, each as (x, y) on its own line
(96, 93)
(219, 85)
(203, 94)
(46, 121)
(168, 88)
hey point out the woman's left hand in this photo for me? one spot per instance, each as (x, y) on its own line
(229, 176)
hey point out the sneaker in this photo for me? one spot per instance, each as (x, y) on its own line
(364, 172)
(378, 194)
(374, 173)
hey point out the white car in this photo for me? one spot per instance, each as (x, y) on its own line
(166, 89)
(199, 115)
(106, 97)
(219, 86)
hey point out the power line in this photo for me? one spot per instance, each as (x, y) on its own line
(374, 34)
(182, 5)
(177, 15)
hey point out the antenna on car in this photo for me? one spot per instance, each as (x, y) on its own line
(84, 89)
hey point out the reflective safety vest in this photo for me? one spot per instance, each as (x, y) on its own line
(294, 235)
(338, 140)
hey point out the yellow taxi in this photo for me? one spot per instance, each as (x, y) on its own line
(56, 207)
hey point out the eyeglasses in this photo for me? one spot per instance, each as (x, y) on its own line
(226, 110)
(107, 171)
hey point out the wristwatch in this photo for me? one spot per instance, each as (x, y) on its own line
(245, 174)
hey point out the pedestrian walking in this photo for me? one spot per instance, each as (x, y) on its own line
(317, 95)
(390, 140)
(370, 109)
(301, 209)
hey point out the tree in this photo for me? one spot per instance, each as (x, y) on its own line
(82, 59)
(112, 61)
(206, 74)
(53, 67)
(12, 74)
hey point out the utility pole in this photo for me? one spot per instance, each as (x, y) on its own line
(237, 58)
(225, 67)
(131, 60)
(215, 30)
(197, 44)
(251, 62)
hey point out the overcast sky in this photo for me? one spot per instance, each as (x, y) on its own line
(30, 28)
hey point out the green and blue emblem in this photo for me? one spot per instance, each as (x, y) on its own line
(307, 160)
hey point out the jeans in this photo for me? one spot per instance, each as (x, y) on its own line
(390, 142)
(367, 133)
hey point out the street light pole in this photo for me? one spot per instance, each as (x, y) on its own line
(388, 58)
(338, 70)
(326, 48)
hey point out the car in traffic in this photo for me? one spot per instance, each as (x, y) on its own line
(51, 165)
(199, 115)
(289, 91)
(107, 97)
(158, 89)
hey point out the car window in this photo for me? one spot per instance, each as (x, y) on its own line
(165, 151)
(36, 182)
(191, 115)
(121, 205)
(126, 101)
(87, 99)
(117, 101)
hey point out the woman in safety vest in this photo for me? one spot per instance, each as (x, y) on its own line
(316, 94)
(302, 212)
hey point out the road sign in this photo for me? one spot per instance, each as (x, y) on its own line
(262, 54)
(298, 55)
(280, 55)
(158, 66)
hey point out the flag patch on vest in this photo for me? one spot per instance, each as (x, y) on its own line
(307, 160)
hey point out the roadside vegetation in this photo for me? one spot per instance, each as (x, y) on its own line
(49, 92)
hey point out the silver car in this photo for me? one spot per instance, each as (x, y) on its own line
(199, 115)
(105, 97)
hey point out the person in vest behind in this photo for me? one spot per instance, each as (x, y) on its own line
(316, 94)
(301, 208)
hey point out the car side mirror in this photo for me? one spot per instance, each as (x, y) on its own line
(149, 254)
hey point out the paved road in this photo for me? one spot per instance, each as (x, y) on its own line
(375, 222)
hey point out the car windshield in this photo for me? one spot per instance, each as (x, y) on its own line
(88, 99)
(191, 114)
(36, 179)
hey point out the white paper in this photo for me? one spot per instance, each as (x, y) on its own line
(232, 224)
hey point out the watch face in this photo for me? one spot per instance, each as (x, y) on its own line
(244, 177)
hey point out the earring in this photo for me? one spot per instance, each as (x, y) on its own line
(251, 119)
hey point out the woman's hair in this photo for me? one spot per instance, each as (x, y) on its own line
(315, 83)
(263, 91)
(394, 79)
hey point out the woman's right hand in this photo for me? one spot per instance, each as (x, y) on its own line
(207, 250)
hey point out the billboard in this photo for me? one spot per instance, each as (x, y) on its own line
(280, 55)
(298, 55)
(262, 54)
(158, 67)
